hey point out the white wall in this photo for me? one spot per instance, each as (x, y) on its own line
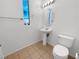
(14, 35)
(66, 22)
(10, 8)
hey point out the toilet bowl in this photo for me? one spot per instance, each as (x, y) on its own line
(61, 51)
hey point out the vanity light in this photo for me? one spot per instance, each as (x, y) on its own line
(48, 3)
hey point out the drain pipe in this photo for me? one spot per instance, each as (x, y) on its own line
(1, 54)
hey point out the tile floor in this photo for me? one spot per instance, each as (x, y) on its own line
(35, 51)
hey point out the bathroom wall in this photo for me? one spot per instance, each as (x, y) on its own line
(14, 35)
(66, 22)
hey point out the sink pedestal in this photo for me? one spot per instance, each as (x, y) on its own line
(44, 38)
(45, 31)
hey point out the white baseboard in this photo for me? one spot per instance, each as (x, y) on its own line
(21, 48)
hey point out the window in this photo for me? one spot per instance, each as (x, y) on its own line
(26, 16)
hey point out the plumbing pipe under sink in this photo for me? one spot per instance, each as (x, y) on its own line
(1, 54)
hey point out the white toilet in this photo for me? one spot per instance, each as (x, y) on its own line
(60, 51)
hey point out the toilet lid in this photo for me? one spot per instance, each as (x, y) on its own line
(60, 50)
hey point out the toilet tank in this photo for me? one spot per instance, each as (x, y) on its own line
(65, 40)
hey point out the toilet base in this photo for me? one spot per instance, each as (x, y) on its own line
(59, 57)
(60, 52)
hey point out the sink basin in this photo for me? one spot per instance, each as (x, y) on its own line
(46, 29)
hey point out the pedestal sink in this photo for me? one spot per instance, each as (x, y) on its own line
(45, 31)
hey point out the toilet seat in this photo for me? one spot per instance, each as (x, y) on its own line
(60, 50)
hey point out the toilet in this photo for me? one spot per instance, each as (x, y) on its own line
(61, 51)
